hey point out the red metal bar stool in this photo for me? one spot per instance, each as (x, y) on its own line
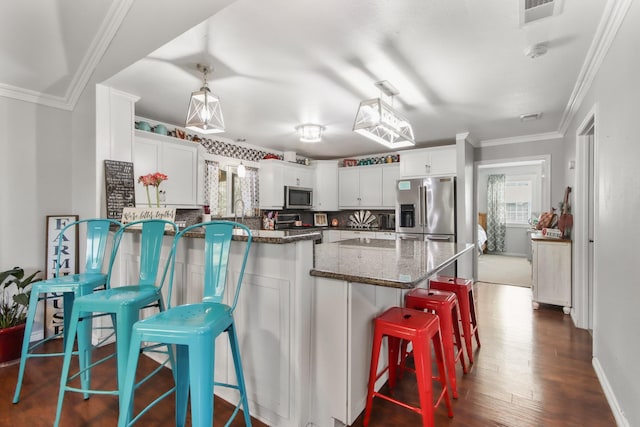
(398, 323)
(443, 304)
(463, 288)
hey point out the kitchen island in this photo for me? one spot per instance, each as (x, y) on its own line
(304, 314)
(345, 304)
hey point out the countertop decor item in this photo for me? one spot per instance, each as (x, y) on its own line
(154, 180)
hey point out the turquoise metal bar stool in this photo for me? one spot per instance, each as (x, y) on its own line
(193, 328)
(70, 286)
(122, 303)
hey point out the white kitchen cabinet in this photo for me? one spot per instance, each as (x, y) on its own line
(385, 235)
(274, 175)
(390, 175)
(325, 185)
(437, 161)
(551, 267)
(176, 159)
(357, 234)
(330, 236)
(271, 181)
(296, 175)
(343, 319)
(360, 187)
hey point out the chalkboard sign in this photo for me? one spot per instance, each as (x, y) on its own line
(120, 187)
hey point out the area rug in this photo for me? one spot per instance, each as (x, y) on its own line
(506, 270)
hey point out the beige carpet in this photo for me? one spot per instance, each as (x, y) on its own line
(507, 270)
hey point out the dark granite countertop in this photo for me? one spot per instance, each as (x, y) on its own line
(260, 236)
(393, 263)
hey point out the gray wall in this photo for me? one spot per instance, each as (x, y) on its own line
(615, 93)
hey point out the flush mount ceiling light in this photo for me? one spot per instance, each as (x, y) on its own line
(377, 120)
(204, 114)
(310, 132)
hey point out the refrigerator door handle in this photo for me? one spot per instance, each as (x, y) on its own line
(408, 237)
(439, 238)
(421, 206)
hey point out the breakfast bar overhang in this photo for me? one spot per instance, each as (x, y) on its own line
(344, 306)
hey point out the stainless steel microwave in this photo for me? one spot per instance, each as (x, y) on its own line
(298, 197)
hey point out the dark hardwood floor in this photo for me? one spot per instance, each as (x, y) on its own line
(533, 369)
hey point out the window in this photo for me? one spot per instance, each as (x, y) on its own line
(225, 190)
(518, 201)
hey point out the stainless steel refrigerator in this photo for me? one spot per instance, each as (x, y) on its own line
(426, 210)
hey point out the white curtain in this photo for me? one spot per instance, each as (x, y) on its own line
(496, 213)
(249, 191)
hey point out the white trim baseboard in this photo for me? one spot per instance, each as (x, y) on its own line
(621, 421)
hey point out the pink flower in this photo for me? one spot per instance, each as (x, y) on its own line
(154, 180)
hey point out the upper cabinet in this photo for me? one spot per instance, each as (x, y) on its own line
(274, 175)
(370, 187)
(438, 161)
(172, 157)
(271, 181)
(390, 175)
(296, 175)
(325, 185)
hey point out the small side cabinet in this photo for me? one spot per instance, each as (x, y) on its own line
(551, 265)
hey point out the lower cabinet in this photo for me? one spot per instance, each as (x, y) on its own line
(343, 326)
(551, 268)
(330, 236)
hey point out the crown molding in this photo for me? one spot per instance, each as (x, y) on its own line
(520, 139)
(98, 47)
(613, 16)
(33, 97)
(114, 17)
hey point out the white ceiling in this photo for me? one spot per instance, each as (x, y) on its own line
(460, 65)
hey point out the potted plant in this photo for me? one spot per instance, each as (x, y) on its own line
(14, 302)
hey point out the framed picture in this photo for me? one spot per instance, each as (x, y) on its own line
(320, 220)
(68, 251)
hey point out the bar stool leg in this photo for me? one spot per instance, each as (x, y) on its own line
(422, 358)
(373, 374)
(437, 344)
(474, 321)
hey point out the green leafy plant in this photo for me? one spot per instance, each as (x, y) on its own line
(15, 301)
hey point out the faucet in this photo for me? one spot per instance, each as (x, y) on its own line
(235, 210)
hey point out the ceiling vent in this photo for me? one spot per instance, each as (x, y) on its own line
(533, 10)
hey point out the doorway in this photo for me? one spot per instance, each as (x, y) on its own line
(527, 194)
(584, 229)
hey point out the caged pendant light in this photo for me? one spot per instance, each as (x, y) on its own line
(204, 114)
(377, 120)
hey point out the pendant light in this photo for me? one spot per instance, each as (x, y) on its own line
(204, 114)
(378, 121)
(242, 171)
